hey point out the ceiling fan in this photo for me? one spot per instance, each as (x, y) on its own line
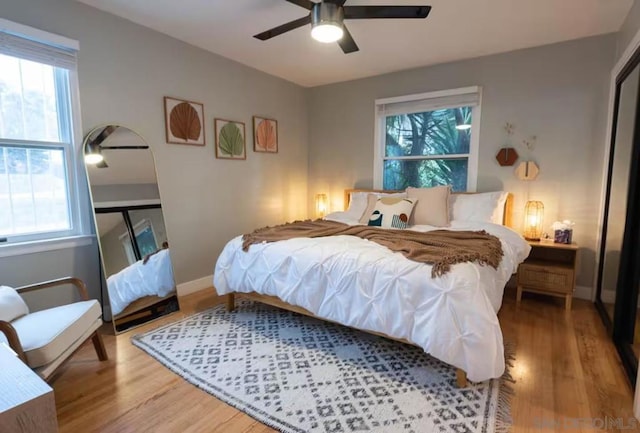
(327, 16)
(93, 148)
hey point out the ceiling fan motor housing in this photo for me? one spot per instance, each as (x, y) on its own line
(327, 13)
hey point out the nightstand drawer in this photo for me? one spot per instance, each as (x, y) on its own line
(546, 277)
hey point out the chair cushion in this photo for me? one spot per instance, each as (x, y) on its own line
(12, 305)
(46, 334)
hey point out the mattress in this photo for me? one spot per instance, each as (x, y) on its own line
(364, 285)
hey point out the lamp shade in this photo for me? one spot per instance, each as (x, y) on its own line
(533, 217)
(322, 204)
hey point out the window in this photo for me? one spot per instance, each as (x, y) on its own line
(427, 140)
(145, 239)
(38, 197)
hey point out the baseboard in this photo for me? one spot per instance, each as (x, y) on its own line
(609, 297)
(195, 285)
(583, 292)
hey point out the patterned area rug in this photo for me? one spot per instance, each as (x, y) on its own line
(299, 374)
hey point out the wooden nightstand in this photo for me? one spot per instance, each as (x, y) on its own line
(27, 403)
(550, 269)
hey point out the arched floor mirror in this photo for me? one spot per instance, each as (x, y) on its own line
(137, 271)
(619, 256)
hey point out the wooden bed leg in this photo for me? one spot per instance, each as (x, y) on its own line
(518, 295)
(231, 302)
(461, 378)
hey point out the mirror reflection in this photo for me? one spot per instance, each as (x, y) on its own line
(134, 248)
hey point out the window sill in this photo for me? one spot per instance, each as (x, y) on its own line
(33, 247)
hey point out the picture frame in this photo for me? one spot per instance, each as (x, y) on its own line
(231, 140)
(265, 135)
(184, 121)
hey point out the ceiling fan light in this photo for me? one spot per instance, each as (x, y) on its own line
(93, 158)
(92, 153)
(463, 127)
(327, 32)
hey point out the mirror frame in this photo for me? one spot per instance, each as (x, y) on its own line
(104, 292)
(624, 73)
(625, 304)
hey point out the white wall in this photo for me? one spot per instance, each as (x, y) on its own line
(126, 69)
(81, 262)
(114, 256)
(557, 92)
(629, 29)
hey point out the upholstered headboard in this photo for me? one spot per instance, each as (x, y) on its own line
(507, 219)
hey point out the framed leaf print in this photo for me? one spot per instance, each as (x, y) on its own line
(265, 135)
(184, 121)
(230, 139)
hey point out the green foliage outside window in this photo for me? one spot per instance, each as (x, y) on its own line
(429, 135)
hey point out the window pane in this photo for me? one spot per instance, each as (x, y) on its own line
(400, 174)
(146, 241)
(28, 104)
(33, 191)
(429, 133)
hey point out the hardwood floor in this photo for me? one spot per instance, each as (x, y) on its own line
(567, 378)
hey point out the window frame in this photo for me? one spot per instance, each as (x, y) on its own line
(126, 241)
(68, 106)
(379, 157)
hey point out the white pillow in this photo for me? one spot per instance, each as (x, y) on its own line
(340, 216)
(12, 306)
(485, 207)
(392, 212)
(357, 205)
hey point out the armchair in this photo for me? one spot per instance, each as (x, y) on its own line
(45, 339)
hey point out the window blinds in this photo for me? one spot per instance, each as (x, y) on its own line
(427, 103)
(36, 51)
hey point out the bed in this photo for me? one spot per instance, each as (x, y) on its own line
(150, 280)
(364, 285)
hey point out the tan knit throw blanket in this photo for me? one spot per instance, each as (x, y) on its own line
(439, 248)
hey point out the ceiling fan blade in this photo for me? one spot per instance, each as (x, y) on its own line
(362, 12)
(124, 147)
(336, 2)
(283, 28)
(106, 132)
(307, 4)
(347, 43)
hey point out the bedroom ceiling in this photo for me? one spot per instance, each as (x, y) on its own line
(455, 30)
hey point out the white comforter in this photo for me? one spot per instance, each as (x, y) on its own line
(362, 284)
(138, 280)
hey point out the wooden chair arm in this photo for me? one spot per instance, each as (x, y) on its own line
(7, 329)
(78, 283)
